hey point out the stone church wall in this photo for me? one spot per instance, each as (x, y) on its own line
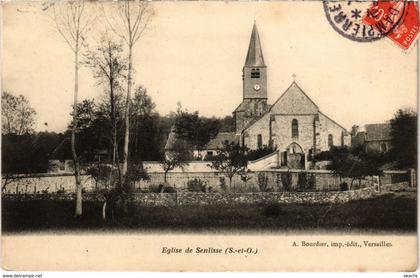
(330, 127)
(282, 128)
(259, 127)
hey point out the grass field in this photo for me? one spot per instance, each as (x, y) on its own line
(387, 212)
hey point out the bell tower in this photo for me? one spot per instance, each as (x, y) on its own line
(254, 78)
(254, 72)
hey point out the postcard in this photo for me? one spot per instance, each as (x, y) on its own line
(209, 135)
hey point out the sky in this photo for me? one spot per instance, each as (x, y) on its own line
(193, 52)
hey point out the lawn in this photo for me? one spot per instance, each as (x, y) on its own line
(387, 212)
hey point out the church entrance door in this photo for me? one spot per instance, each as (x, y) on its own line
(295, 157)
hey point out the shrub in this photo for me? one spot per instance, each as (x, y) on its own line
(286, 180)
(153, 188)
(302, 181)
(262, 182)
(196, 185)
(273, 210)
(222, 183)
(344, 186)
(311, 182)
(168, 189)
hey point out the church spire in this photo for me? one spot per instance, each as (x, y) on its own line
(254, 56)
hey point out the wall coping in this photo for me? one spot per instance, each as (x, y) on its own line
(41, 175)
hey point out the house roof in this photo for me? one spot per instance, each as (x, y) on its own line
(378, 132)
(174, 142)
(255, 56)
(217, 142)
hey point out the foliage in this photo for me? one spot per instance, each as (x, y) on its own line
(227, 124)
(344, 186)
(286, 180)
(109, 69)
(195, 129)
(306, 181)
(260, 152)
(262, 182)
(147, 131)
(100, 173)
(135, 173)
(161, 188)
(18, 117)
(29, 153)
(404, 138)
(196, 185)
(177, 158)
(230, 160)
(311, 182)
(222, 183)
(355, 166)
(302, 180)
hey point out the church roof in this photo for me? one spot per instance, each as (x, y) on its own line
(376, 132)
(222, 137)
(294, 84)
(175, 142)
(254, 56)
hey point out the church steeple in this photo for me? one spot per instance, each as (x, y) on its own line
(255, 70)
(254, 56)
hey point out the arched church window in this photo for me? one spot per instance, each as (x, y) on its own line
(295, 129)
(330, 140)
(259, 141)
(255, 73)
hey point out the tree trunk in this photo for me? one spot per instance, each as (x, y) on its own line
(127, 113)
(78, 211)
(104, 211)
(351, 184)
(113, 123)
(164, 182)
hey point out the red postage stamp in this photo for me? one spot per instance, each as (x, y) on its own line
(398, 20)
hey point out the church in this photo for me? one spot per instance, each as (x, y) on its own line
(293, 124)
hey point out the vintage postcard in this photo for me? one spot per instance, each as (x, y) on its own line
(209, 136)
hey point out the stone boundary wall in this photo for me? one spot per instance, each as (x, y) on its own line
(44, 183)
(222, 199)
(324, 180)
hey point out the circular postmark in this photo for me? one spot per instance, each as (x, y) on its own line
(364, 21)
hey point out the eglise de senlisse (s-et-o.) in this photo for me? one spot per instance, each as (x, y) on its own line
(293, 125)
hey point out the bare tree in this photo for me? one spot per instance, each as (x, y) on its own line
(129, 23)
(109, 68)
(73, 23)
